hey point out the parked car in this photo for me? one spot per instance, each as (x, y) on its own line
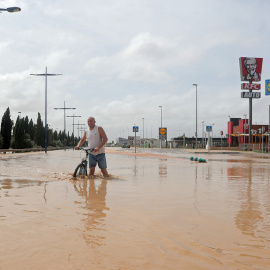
(125, 145)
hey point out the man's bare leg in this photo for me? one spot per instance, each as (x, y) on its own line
(104, 172)
(92, 171)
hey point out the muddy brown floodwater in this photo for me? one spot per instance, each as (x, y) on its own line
(157, 211)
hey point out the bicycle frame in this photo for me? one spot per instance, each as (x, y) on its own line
(84, 161)
(81, 169)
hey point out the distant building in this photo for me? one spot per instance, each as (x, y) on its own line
(131, 140)
(121, 141)
(147, 142)
(238, 132)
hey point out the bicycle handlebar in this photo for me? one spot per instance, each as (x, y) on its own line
(88, 150)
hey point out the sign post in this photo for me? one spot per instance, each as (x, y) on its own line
(135, 129)
(162, 134)
(250, 70)
(208, 130)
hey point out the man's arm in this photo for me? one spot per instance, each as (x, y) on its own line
(81, 142)
(103, 137)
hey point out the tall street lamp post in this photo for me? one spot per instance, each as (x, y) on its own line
(202, 134)
(212, 141)
(229, 131)
(161, 128)
(46, 75)
(64, 120)
(73, 128)
(143, 132)
(196, 116)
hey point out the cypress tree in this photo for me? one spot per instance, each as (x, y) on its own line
(55, 135)
(26, 124)
(40, 130)
(31, 130)
(60, 136)
(18, 134)
(6, 128)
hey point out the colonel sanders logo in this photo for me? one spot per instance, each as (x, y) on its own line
(250, 69)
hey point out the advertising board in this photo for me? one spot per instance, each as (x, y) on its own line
(250, 68)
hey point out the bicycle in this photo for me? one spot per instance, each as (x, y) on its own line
(81, 169)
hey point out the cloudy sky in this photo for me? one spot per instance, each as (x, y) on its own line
(122, 59)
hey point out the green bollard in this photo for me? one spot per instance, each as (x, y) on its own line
(191, 158)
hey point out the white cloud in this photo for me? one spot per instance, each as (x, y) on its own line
(149, 58)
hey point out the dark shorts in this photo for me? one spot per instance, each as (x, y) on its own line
(99, 159)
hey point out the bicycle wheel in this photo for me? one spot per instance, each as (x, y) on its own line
(80, 170)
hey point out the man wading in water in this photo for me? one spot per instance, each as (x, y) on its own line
(96, 138)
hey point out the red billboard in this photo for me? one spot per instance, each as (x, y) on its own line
(250, 68)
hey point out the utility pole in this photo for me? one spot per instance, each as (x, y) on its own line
(202, 134)
(78, 127)
(64, 121)
(73, 116)
(46, 75)
(195, 84)
(143, 132)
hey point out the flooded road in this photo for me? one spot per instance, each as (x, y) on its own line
(157, 211)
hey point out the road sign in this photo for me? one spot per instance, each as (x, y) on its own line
(208, 128)
(135, 129)
(221, 132)
(267, 87)
(162, 133)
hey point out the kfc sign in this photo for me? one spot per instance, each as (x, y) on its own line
(250, 86)
(250, 68)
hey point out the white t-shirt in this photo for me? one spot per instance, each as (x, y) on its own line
(94, 139)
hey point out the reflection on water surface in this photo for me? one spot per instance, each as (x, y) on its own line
(92, 195)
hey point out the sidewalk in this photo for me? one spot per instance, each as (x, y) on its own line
(228, 151)
(218, 151)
